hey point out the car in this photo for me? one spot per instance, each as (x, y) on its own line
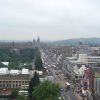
(67, 88)
(61, 89)
(56, 73)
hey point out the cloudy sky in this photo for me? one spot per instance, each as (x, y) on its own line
(50, 19)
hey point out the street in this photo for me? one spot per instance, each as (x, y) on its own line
(52, 68)
(69, 95)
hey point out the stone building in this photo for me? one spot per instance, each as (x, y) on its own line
(13, 81)
(10, 79)
(36, 43)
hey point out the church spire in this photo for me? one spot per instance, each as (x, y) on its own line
(38, 40)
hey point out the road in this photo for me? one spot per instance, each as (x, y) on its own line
(70, 95)
(49, 62)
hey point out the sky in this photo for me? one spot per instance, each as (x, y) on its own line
(49, 19)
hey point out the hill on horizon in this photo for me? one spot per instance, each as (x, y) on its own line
(87, 41)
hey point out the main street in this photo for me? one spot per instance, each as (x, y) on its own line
(51, 65)
(70, 95)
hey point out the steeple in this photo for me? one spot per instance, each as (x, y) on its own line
(34, 43)
(38, 40)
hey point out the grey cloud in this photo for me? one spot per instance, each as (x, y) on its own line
(50, 19)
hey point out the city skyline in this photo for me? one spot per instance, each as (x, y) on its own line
(49, 19)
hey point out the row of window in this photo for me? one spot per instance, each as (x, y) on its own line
(13, 85)
(13, 77)
(10, 86)
(5, 82)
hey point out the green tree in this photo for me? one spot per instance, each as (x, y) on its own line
(21, 97)
(2, 65)
(34, 82)
(38, 60)
(13, 65)
(16, 57)
(14, 93)
(46, 91)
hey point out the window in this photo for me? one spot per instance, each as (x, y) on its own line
(23, 82)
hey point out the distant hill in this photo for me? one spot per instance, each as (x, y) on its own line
(88, 41)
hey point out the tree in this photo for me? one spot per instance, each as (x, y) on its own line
(21, 97)
(14, 93)
(34, 82)
(13, 65)
(46, 91)
(2, 65)
(38, 60)
(38, 63)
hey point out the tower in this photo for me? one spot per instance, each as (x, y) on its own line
(34, 43)
(38, 40)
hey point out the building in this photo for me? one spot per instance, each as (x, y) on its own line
(97, 82)
(36, 43)
(92, 80)
(10, 79)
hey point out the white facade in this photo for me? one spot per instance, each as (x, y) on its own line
(93, 58)
(79, 71)
(15, 72)
(83, 58)
(5, 63)
(25, 71)
(4, 71)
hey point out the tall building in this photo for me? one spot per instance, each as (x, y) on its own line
(38, 40)
(36, 43)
